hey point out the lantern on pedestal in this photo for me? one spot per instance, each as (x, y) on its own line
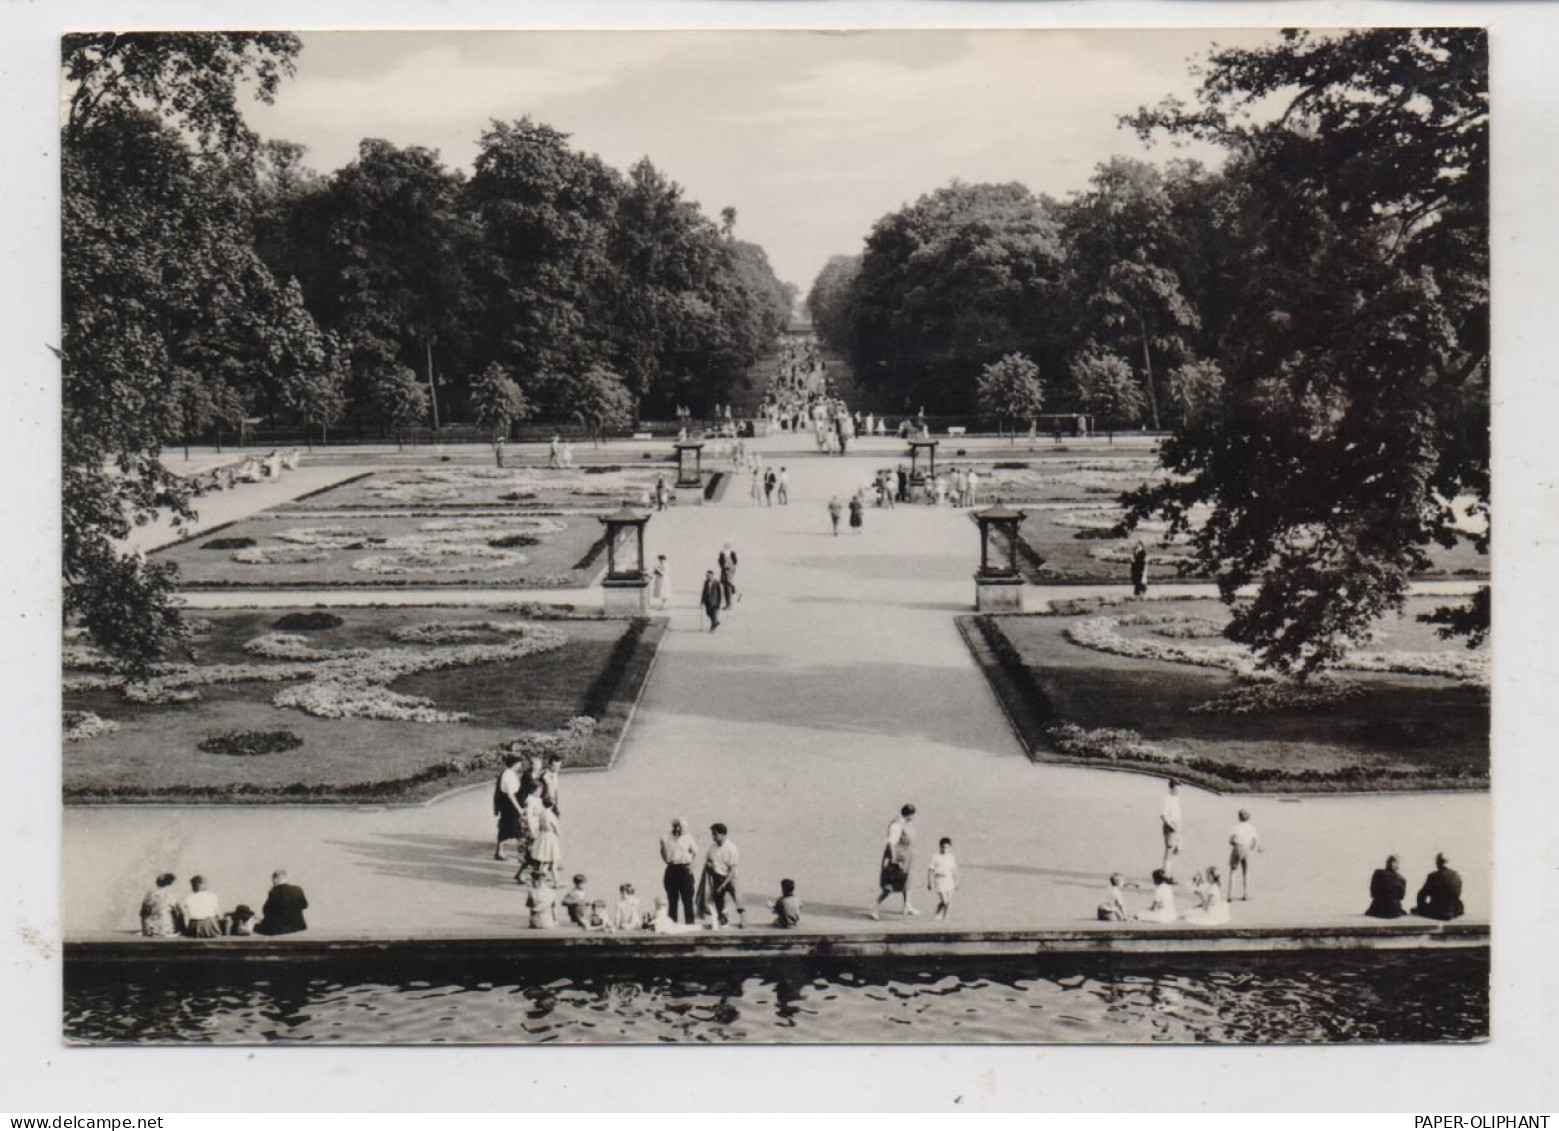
(690, 472)
(626, 584)
(998, 586)
(922, 460)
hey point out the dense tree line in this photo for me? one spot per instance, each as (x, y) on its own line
(1310, 321)
(210, 277)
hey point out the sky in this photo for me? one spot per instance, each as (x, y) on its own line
(810, 135)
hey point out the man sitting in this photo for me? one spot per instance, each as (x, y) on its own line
(284, 907)
(1441, 895)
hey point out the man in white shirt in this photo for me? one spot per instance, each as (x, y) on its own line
(678, 850)
(202, 911)
(719, 881)
(1169, 817)
(1243, 844)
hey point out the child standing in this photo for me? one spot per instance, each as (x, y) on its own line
(942, 877)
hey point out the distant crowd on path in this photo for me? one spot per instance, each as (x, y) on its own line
(199, 914)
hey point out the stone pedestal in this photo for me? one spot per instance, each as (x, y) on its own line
(626, 598)
(690, 496)
(998, 594)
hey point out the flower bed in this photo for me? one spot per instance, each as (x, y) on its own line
(348, 693)
(459, 486)
(1136, 700)
(83, 726)
(251, 743)
(501, 549)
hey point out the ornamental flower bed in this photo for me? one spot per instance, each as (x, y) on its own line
(454, 486)
(382, 712)
(527, 550)
(83, 726)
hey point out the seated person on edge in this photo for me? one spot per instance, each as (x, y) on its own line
(161, 915)
(284, 907)
(1441, 895)
(577, 903)
(787, 908)
(239, 921)
(1162, 909)
(1212, 909)
(600, 918)
(202, 911)
(1113, 909)
(541, 902)
(1388, 888)
(663, 924)
(627, 916)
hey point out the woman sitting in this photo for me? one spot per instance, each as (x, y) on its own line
(1211, 909)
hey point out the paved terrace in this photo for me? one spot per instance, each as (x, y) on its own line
(837, 690)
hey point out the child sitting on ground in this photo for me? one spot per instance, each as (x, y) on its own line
(599, 919)
(627, 917)
(1113, 909)
(577, 903)
(787, 908)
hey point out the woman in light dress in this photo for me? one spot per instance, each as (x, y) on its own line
(662, 585)
(541, 902)
(1162, 910)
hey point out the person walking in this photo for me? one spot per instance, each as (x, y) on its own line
(506, 804)
(898, 859)
(942, 877)
(903, 477)
(834, 511)
(660, 492)
(727, 563)
(710, 597)
(661, 588)
(769, 481)
(1170, 820)
(1139, 569)
(756, 490)
(678, 850)
(498, 446)
(857, 512)
(784, 487)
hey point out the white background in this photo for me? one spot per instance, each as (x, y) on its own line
(1513, 1072)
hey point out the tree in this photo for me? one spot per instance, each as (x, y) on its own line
(1121, 239)
(1010, 390)
(601, 401)
(1195, 386)
(1355, 409)
(958, 279)
(155, 254)
(496, 401)
(830, 301)
(400, 400)
(1107, 390)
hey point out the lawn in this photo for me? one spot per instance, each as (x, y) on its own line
(1075, 544)
(1360, 730)
(273, 550)
(466, 485)
(362, 693)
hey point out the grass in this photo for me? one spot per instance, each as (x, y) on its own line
(155, 753)
(466, 484)
(1399, 732)
(560, 558)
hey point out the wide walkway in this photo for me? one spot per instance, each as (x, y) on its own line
(837, 690)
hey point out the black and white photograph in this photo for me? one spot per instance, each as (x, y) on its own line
(1109, 476)
(777, 536)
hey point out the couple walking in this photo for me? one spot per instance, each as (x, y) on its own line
(718, 593)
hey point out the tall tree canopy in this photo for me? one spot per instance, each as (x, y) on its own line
(1354, 410)
(168, 313)
(960, 278)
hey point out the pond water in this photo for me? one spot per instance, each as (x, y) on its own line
(1372, 996)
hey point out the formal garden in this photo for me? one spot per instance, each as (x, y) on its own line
(464, 485)
(355, 704)
(1152, 685)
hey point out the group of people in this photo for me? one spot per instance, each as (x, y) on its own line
(1439, 897)
(895, 872)
(857, 508)
(527, 803)
(560, 453)
(719, 593)
(767, 486)
(199, 915)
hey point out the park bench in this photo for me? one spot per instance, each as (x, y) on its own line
(956, 430)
